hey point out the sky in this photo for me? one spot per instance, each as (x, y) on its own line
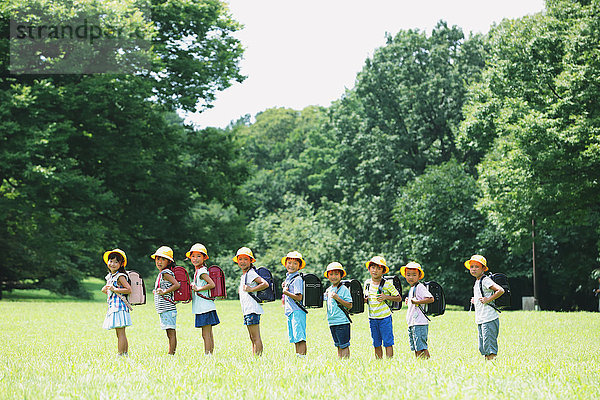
(308, 52)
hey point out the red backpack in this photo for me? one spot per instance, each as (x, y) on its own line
(216, 274)
(184, 293)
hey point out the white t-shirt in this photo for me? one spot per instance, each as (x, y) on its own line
(483, 312)
(249, 305)
(414, 315)
(199, 304)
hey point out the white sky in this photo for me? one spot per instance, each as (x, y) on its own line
(307, 52)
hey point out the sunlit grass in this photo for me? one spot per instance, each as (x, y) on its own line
(59, 350)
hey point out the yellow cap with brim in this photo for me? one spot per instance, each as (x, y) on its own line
(480, 259)
(379, 260)
(412, 265)
(245, 251)
(164, 252)
(119, 251)
(335, 266)
(296, 255)
(199, 247)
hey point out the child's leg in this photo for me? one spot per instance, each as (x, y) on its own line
(378, 352)
(345, 353)
(389, 351)
(422, 354)
(301, 347)
(254, 332)
(376, 336)
(122, 344)
(207, 336)
(172, 336)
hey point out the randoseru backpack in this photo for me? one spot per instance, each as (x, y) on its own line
(313, 291)
(265, 295)
(501, 280)
(393, 305)
(138, 289)
(358, 298)
(216, 274)
(438, 307)
(184, 293)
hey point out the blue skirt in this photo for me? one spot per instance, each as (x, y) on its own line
(119, 319)
(208, 318)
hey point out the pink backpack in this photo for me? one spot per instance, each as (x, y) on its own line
(138, 289)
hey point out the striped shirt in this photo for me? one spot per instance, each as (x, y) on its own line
(115, 303)
(164, 302)
(379, 309)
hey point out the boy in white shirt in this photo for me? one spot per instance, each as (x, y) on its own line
(486, 316)
(418, 323)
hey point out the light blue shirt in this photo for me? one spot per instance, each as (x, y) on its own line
(200, 305)
(296, 287)
(335, 316)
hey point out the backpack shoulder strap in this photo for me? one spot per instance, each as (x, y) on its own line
(491, 303)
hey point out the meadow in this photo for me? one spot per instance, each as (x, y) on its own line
(57, 349)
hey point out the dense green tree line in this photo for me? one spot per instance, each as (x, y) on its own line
(447, 146)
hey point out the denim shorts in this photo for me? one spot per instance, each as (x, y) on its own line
(417, 337)
(382, 331)
(168, 319)
(208, 318)
(252, 319)
(488, 337)
(297, 326)
(341, 335)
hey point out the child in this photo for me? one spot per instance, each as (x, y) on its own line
(418, 324)
(251, 309)
(486, 317)
(117, 316)
(165, 285)
(293, 291)
(377, 292)
(202, 304)
(338, 296)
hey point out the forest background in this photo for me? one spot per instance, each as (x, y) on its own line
(448, 145)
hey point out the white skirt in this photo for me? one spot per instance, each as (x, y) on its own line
(119, 319)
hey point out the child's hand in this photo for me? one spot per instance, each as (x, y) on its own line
(246, 288)
(105, 289)
(334, 296)
(159, 291)
(380, 297)
(194, 287)
(472, 300)
(483, 300)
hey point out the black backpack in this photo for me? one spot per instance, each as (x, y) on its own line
(265, 295)
(393, 305)
(313, 291)
(358, 297)
(438, 307)
(501, 280)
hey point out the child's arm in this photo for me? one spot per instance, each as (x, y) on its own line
(126, 289)
(347, 304)
(209, 284)
(262, 284)
(498, 291)
(174, 285)
(426, 300)
(293, 296)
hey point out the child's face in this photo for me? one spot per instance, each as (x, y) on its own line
(244, 262)
(161, 262)
(412, 275)
(375, 270)
(113, 265)
(197, 258)
(476, 269)
(292, 265)
(334, 276)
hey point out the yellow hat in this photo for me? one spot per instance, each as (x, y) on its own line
(479, 259)
(200, 248)
(107, 253)
(412, 265)
(335, 266)
(165, 252)
(379, 260)
(296, 255)
(246, 251)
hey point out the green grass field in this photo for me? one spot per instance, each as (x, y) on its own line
(59, 350)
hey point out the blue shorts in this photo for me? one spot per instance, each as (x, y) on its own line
(341, 335)
(207, 318)
(417, 337)
(297, 326)
(488, 337)
(252, 319)
(382, 331)
(168, 319)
